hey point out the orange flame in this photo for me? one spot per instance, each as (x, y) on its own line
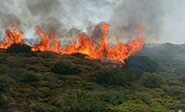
(103, 50)
(12, 36)
(45, 43)
(83, 44)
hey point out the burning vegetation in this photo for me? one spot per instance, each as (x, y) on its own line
(82, 44)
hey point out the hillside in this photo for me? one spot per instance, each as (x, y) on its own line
(151, 81)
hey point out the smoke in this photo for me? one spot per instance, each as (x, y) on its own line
(27, 14)
(128, 14)
(71, 17)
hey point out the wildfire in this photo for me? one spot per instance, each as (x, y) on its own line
(45, 43)
(83, 44)
(12, 36)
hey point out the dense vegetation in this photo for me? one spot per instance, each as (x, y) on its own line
(151, 81)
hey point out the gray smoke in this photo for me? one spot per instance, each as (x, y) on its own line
(71, 17)
(128, 14)
(27, 14)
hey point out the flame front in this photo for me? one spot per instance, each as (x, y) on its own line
(12, 36)
(45, 43)
(83, 44)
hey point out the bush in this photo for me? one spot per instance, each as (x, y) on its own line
(153, 81)
(48, 54)
(134, 106)
(6, 82)
(30, 77)
(66, 68)
(142, 63)
(114, 77)
(3, 101)
(19, 48)
(175, 90)
(182, 79)
(113, 97)
(79, 101)
(43, 107)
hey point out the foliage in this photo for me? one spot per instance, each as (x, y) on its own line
(79, 101)
(30, 78)
(134, 106)
(175, 90)
(114, 77)
(66, 68)
(153, 80)
(6, 82)
(18, 48)
(142, 63)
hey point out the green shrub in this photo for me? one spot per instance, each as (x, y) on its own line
(112, 97)
(30, 77)
(180, 70)
(153, 81)
(66, 68)
(114, 77)
(134, 106)
(19, 48)
(3, 101)
(79, 101)
(48, 54)
(175, 90)
(6, 82)
(70, 80)
(43, 107)
(21, 62)
(142, 63)
(182, 79)
(145, 97)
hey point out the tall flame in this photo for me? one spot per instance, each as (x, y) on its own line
(83, 44)
(45, 44)
(12, 36)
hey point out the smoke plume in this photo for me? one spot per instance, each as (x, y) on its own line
(71, 17)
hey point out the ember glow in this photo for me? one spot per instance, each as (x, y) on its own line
(82, 44)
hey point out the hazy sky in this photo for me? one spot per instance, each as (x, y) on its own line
(164, 20)
(174, 21)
